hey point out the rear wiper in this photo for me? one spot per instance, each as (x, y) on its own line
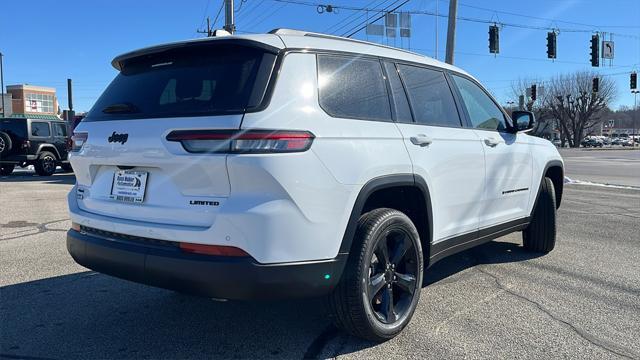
(120, 108)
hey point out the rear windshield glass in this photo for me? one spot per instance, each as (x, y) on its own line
(190, 81)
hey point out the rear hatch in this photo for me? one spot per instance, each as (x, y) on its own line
(127, 169)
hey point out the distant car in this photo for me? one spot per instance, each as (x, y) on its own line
(591, 142)
(41, 143)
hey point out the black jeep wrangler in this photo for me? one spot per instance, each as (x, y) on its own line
(41, 143)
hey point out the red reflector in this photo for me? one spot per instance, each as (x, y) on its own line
(75, 226)
(217, 250)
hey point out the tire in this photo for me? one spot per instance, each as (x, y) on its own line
(400, 279)
(6, 169)
(5, 143)
(46, 164)
(66, 167)
(540, 235)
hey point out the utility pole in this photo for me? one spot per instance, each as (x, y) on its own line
(451, 30)
(209, 32)
(436, 20)
(70, 114)
(229, 23)
(2, 85)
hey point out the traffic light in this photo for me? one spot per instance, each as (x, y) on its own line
(595, 50)
(551, 45)
(634, 81)
(595, 85)
(494, 39)
(534, 92)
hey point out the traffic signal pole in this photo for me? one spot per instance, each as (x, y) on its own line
(451, 30)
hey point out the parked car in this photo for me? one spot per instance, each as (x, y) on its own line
(296, 164)
(41, 143)
(591, 142)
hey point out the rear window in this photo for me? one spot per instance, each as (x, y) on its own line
(352, 87)
(190, 81)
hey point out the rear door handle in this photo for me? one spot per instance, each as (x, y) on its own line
(421, 140)
(491, 141)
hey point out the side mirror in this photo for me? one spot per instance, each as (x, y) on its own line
(523, 120)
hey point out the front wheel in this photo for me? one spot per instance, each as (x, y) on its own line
(540, 235)
(380, 287)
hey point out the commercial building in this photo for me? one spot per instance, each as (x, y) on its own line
(36, 102)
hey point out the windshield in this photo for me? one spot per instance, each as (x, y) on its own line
(189, 81)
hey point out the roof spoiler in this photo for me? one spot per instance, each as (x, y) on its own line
(220, 39)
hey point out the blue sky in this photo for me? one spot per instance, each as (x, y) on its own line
(46, 42)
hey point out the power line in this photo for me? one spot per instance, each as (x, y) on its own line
(541, 18)
(346, 20)
(468, 19)
(260, 20)
(359, 18)
(251, 11)
(386, 10)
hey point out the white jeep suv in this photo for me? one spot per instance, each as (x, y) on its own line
(296, 164)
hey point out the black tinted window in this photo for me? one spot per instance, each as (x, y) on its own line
(430, 96)
(191, 81)
(353, 88)
(40, 129)
(483, 112)
(59, 130)
(400, 108)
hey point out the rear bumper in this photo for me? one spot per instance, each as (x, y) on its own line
(165, 265)
(16, 159)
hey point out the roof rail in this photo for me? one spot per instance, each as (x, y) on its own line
(283, 31)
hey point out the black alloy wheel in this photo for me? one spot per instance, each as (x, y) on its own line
(392, 276)
(49, 163)
(379, 290)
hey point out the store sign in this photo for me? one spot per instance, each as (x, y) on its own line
(34, 106)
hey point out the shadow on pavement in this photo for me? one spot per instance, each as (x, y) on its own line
(494, 252)
(89, 315)
(55, 179)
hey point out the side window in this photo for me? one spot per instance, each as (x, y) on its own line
(40, 129)
(430, 96)
(483, 112)
(353, 88)
(59, 130)
(400, 104)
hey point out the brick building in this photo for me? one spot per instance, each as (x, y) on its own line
(35, 102)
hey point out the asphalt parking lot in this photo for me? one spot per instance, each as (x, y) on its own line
(496, 301)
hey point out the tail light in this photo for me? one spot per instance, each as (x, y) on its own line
(26, 144)
(78, 140)
(242, 141)
(216, 250)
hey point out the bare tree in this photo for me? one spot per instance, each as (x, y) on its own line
(576, 107)
(546, 121)
(569, 103)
